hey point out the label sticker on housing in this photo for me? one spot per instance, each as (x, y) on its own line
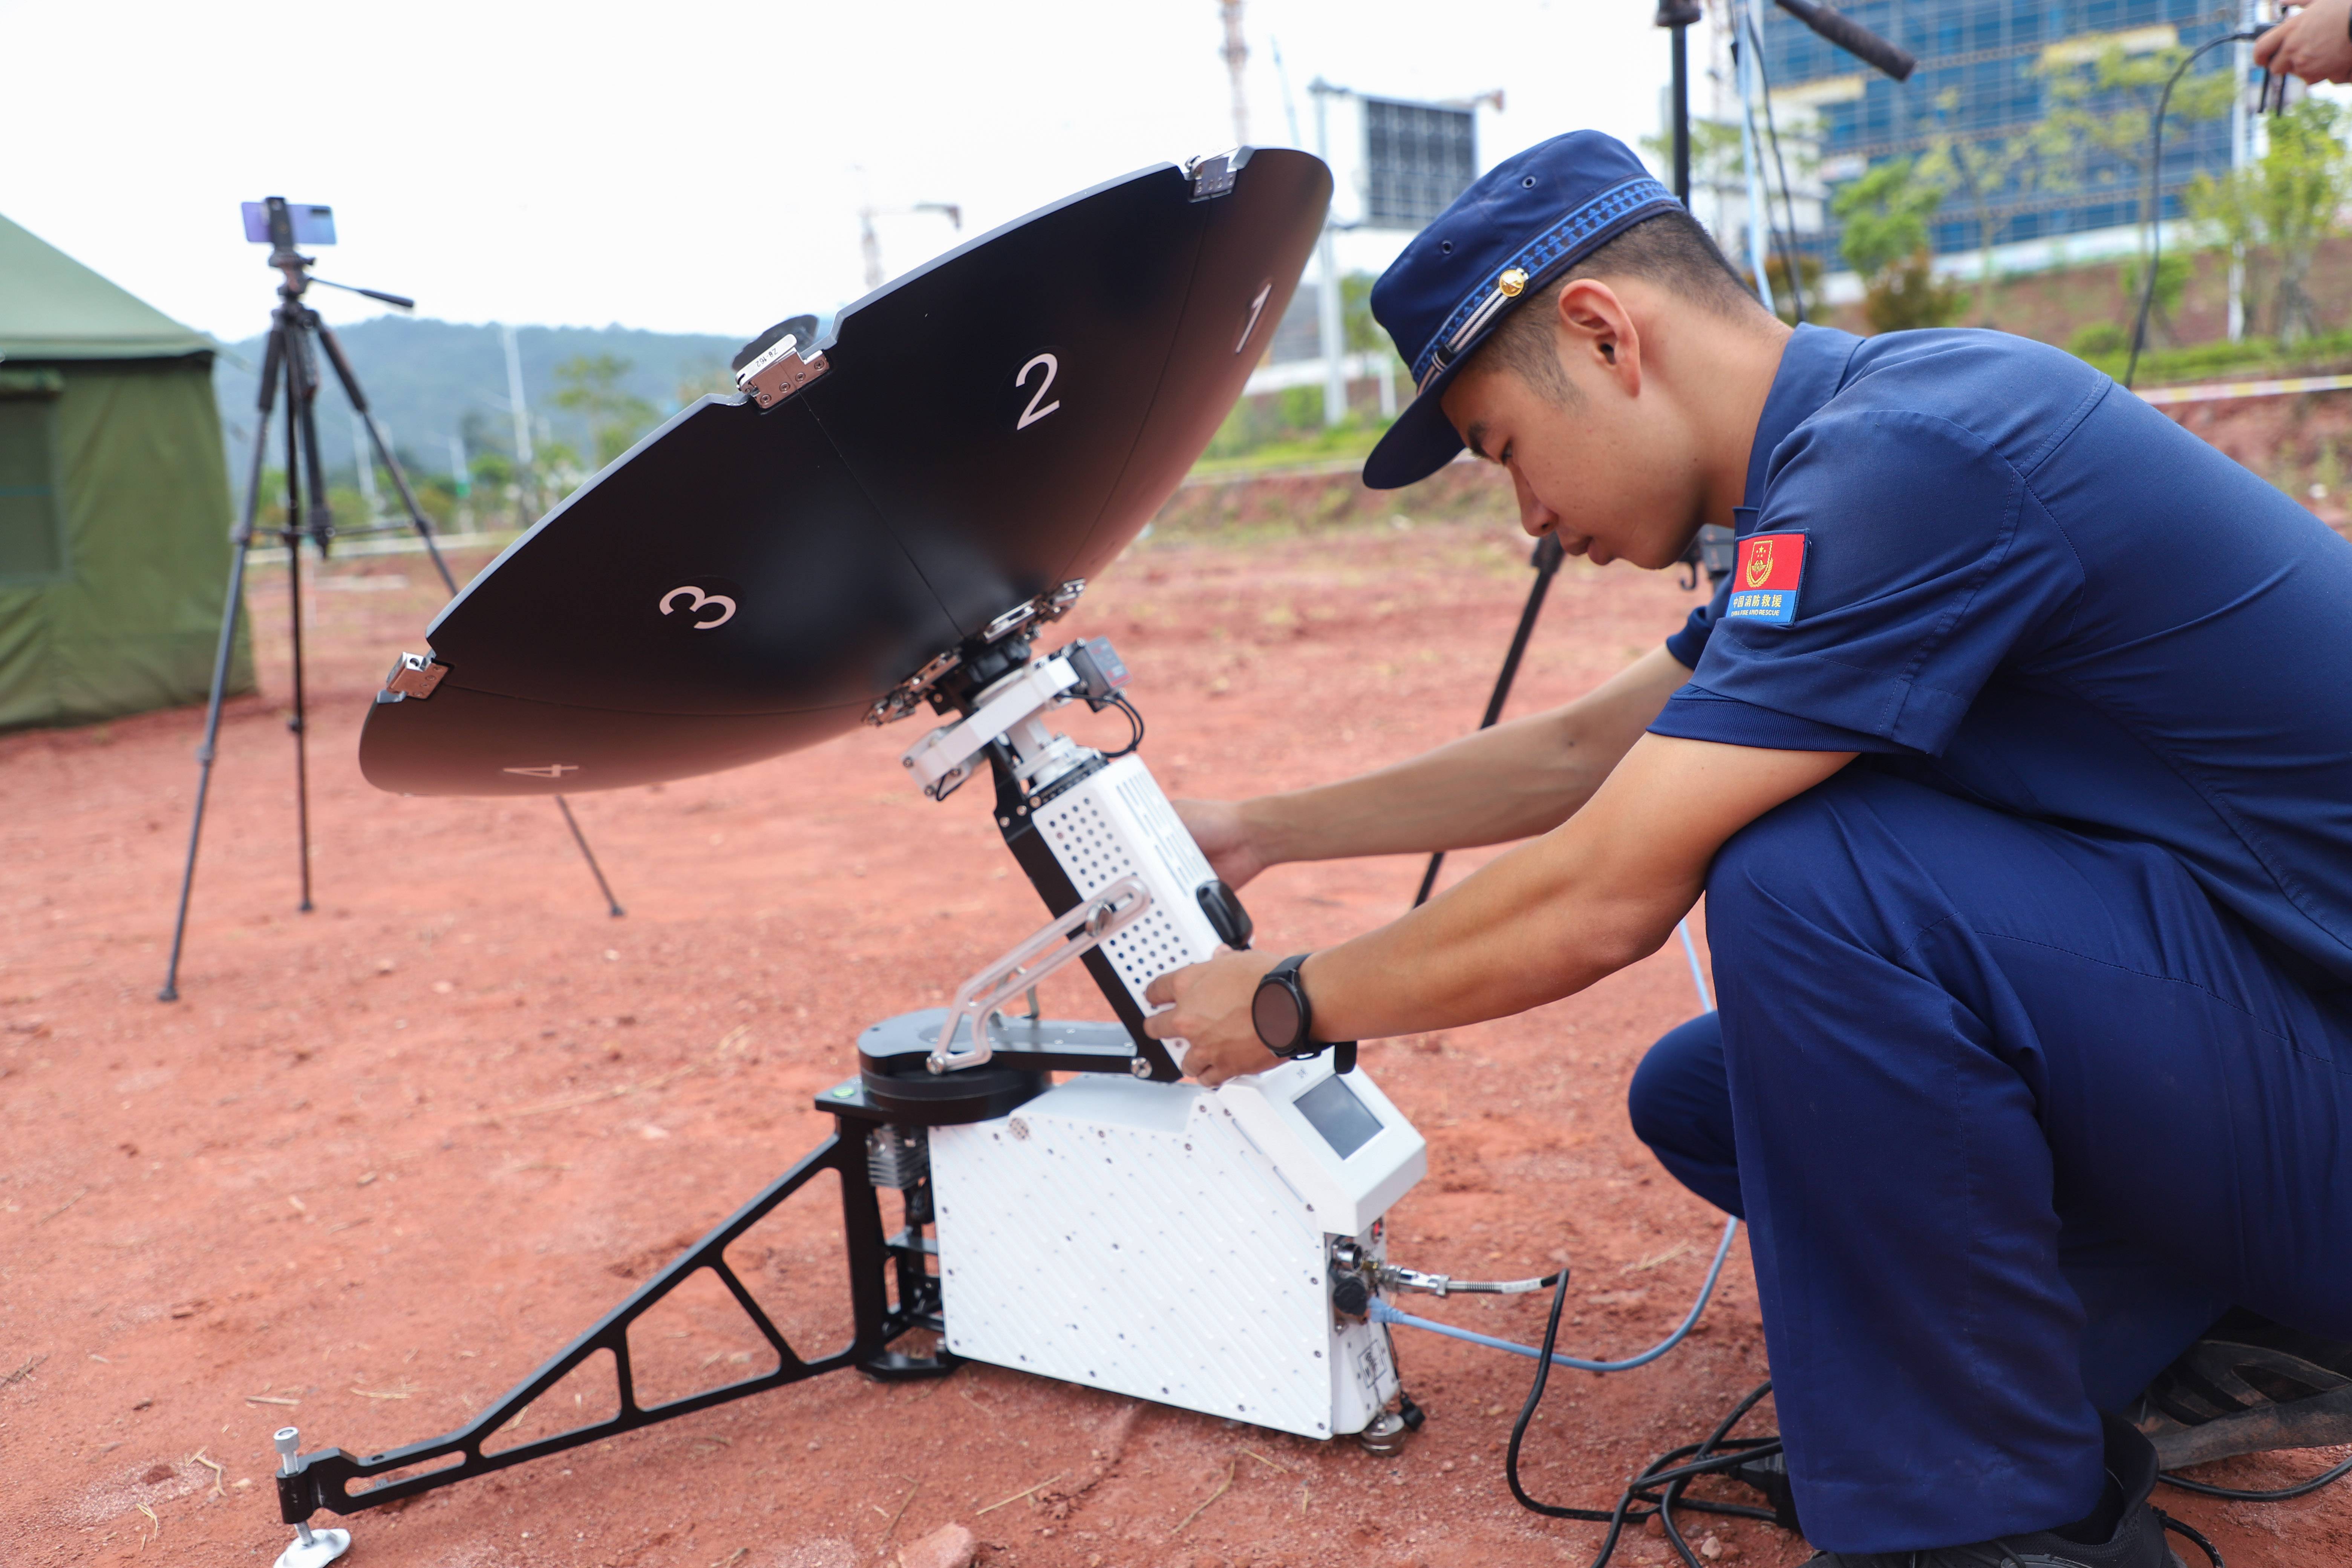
(1765, 579)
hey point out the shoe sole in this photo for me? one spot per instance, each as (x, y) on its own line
(2320, 1421)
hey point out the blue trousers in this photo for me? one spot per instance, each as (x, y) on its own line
(2013, 1113)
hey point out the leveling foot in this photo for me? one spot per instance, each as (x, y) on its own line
(309, 1548)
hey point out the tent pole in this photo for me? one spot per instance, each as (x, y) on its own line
(241, 545)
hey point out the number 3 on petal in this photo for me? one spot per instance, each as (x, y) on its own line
(1031, 415)
(696, 602)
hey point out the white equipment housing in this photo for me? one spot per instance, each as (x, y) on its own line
(1172, 1243)
(1160, 1240)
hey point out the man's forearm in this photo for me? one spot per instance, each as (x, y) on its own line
(1541, 921)
(1551, 917)
(1511, 781)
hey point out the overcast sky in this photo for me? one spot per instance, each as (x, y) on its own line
(694, 167)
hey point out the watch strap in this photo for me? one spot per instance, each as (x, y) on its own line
(1286, 974)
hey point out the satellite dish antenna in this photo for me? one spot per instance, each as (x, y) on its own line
(872, 512)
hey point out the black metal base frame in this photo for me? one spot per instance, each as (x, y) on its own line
(892, 1292)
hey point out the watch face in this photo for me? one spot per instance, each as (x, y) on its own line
(1275, 1011)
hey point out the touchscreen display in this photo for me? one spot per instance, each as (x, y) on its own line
(1332, 1109)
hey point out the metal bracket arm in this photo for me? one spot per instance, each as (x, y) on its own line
(323, 1478)
(1072, 935)
(940, 760)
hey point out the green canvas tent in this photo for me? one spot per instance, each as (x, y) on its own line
(114, 507)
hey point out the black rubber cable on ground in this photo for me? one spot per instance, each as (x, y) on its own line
(1673, 1471)
(2302, 1488)
(2212, 1552)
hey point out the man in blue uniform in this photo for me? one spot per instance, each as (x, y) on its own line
(2015, 760)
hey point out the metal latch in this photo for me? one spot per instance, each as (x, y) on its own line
(780, 372)
(413, 675)
(1212, 175)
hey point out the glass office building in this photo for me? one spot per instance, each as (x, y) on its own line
(1984, 78)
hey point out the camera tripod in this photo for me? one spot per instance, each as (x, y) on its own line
(296, 334)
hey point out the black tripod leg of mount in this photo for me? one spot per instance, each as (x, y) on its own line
(240, 545)
(317, 524)
(1545, 561)
(878, 1265)
(424, 526)
(416, 518)
(612, 904)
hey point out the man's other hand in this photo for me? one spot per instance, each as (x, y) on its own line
(1212, 1011)
(1224, 835)
(2310, 44)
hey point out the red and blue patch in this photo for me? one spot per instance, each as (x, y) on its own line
(1765, 578)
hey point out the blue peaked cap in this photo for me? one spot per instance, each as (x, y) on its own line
(1519, 226)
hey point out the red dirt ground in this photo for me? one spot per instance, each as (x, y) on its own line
(384, 1158)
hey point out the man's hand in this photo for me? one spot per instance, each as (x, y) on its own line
(1212, 1011)
(1223, 835)
(2310, 44)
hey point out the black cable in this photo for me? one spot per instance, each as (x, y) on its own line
(2156, 187)
(1135, 720)
(1673, 1470)
(1788, 202)
(2283, 1494)
(2212, 1552)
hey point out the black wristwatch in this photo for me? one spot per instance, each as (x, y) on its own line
(1285, 1019)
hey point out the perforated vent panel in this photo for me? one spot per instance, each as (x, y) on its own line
(1128, 1237)
(1118, 824)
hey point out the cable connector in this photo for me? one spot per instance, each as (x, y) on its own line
(1396, 1280)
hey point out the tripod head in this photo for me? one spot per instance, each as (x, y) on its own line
(282, 225)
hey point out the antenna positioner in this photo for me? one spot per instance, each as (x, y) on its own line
(908, 695)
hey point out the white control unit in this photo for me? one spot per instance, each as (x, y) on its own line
(1172, 1243)
(1117, 824)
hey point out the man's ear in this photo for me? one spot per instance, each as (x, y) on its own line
(1598, 334)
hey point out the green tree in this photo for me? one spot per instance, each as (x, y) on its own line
(2280, 209)
(1715, 156)
(591, 386)
(1885, 214)
(1980, 168)
(2172, 273)
(1358, 326)
(2096, 132)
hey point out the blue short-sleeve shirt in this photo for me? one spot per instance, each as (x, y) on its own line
(2024, 586)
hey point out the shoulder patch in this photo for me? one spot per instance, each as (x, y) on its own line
(1765, 579)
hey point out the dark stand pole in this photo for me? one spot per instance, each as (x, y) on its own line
(1545, 561)
(304, 514)
(241, 544)
(612, 905)
(1677, 16)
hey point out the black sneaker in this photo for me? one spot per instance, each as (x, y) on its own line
(2250, 1385)
(2131, 1533)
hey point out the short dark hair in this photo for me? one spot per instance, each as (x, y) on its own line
(1671, 250)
